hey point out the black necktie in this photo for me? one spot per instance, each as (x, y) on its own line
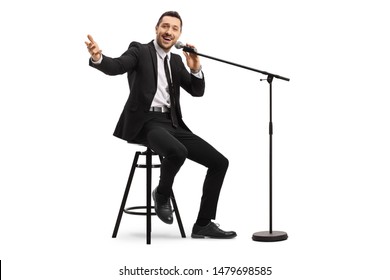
(171, 93)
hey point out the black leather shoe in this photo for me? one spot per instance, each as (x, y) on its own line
(212, 231)
(162, 206)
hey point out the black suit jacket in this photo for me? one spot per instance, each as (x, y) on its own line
(140, 64)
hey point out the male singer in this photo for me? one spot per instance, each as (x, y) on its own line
(152, 117)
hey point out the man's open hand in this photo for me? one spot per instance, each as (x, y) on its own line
(93, 48)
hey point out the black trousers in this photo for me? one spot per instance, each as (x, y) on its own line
(177, 144)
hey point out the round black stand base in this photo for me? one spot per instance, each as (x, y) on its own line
(266, 236)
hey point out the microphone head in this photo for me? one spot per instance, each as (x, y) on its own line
(179, 45)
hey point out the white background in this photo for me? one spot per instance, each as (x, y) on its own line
(63, 173)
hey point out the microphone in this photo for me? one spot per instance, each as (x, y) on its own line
(180, 45)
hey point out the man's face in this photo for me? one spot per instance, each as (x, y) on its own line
(168, 32)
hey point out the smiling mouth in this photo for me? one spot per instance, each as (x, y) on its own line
(167, 39)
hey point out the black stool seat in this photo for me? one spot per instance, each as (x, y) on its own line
(147, 210)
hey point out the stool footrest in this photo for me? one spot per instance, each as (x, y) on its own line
(145, 166)
(129, 210)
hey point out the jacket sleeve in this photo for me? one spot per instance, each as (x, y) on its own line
(120, 65)
(190, 83)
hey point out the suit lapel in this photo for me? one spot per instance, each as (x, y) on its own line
(153, 55)
(174, 71)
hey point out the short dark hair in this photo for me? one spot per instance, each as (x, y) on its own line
(170, 14)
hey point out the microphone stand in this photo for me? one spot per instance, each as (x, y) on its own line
(270, 235)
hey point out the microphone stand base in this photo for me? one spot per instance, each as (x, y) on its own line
(267, 236)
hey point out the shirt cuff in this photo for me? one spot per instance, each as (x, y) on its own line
(99, 61)
(198, 74)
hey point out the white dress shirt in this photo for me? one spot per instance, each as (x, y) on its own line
(161, 98)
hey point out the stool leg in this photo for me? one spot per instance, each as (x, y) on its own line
(148, 195)
(122, 207)
(177, 214)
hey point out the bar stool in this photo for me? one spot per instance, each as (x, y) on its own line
(148, 208)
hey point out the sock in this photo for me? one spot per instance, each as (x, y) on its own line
(202, 222)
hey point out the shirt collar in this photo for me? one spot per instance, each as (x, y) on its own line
(161, 53)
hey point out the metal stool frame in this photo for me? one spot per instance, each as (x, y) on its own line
(130, 210)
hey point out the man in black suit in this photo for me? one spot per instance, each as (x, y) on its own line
(152, 116)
